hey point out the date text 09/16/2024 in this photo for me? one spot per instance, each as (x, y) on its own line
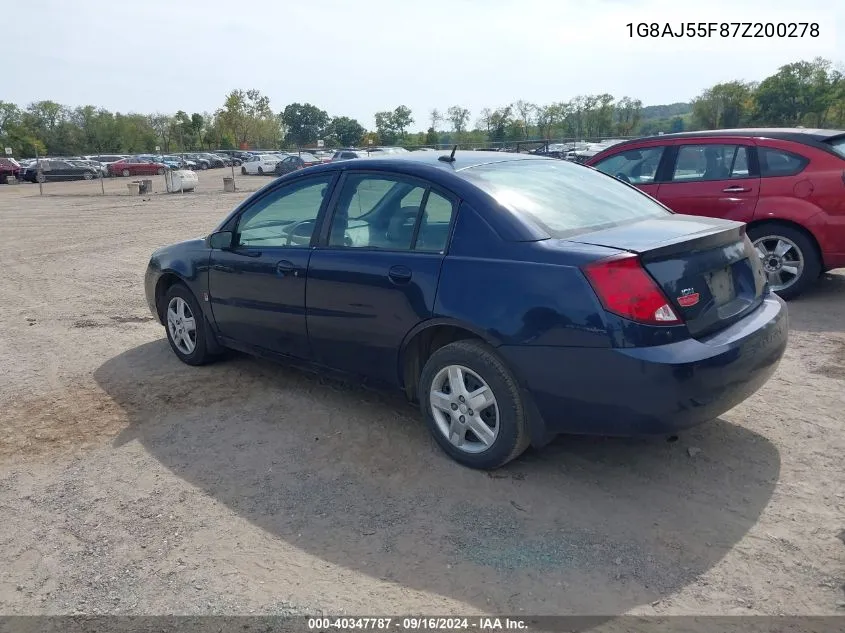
(420, 623)
(723, 29)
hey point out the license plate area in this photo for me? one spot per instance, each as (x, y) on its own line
(721, 284)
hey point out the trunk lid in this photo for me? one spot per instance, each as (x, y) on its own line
(707, 267)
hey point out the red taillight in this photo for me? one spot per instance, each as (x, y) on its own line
(625, 288)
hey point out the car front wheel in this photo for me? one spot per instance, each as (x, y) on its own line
(789, 257)
(473, 406)
(184, 324)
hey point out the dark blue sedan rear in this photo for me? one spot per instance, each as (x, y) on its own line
(514, 297)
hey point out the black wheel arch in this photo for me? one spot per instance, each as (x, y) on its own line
(429, 336)
(167, 280)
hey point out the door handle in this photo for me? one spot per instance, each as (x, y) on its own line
(736, 189)
(285, 267)
(399, 274)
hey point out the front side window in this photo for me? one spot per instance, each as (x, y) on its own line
(561, 197)
(697, 163)
(286, 217)
(636, 166)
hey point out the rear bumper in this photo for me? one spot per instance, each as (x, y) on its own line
(652, 390)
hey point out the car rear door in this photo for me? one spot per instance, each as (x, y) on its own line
(715, 177)
(374, 275)
(257, 287)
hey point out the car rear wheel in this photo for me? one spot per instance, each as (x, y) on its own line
(88, 175)
(184, 324)
(789, 257)
(472, 405)
(125, 173)
(260, 171)
(160, 171)
(204, 166)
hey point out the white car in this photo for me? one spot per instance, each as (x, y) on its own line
(261, 164)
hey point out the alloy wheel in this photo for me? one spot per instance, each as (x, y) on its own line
(464, 409)
(782, 260)
(182, 325)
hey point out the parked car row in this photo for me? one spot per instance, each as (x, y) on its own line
(100, 165)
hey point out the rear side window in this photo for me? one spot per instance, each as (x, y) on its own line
(777, 162)
(637, 166)
(562, 198)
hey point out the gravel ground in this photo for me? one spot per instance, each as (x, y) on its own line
(132, 484)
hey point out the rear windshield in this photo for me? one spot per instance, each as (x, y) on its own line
(561, 197)
(838, 145)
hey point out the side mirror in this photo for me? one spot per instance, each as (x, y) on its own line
(222, 240)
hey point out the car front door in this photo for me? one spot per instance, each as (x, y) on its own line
(717, 179)
(257, 286)
(374, 275)
(637, 166)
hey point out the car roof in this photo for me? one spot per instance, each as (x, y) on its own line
(787, 133)
(814, 137)
(463, 159)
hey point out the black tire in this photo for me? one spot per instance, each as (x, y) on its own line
(260, 171)
(204, 166)
(243, 171)
(804, 243)
(512, 438)
(200, 355)
(160, 171)
(126, 173)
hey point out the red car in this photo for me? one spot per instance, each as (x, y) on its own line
(136, 167)
(8, 167)
(788, 184)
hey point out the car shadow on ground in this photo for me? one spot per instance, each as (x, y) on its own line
(349, 475)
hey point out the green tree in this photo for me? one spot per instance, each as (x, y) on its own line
(725, 105)
(305, 123)
(435, 117)
(500, 121)
(801, 93)
(525, 116)
(242, 113)
(458, 116)
(628, 112)
(344, 131)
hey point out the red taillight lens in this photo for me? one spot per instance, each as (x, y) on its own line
(625, 288)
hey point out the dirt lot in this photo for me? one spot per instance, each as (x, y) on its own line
(130, 483)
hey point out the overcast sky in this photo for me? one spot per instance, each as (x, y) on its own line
(356, 57)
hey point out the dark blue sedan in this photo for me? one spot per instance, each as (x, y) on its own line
(514, 297)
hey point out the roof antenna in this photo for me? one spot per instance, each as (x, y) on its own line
(451, 157)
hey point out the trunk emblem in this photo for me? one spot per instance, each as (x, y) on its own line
(688, 298)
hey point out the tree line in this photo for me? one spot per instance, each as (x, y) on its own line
(804, 93)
